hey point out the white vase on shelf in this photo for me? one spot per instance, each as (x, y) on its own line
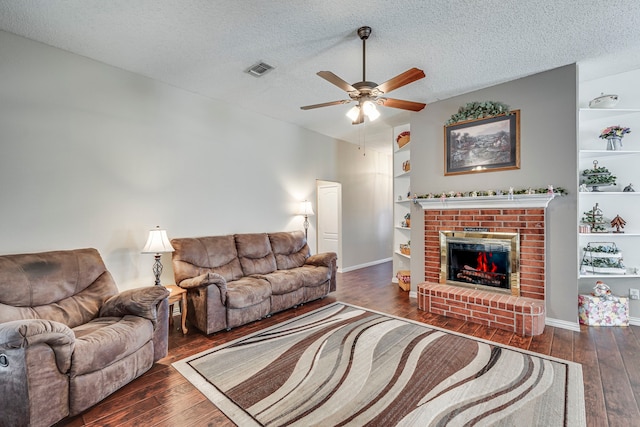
(614, 143)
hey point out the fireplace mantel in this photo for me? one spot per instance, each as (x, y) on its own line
(484, 202)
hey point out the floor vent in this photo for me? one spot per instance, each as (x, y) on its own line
(259, 69)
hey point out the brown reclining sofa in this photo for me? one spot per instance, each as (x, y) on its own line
(236, 279)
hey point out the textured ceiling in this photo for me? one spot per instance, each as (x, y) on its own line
(462, 45)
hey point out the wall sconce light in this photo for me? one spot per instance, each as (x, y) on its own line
(305, 209)
(157, 243)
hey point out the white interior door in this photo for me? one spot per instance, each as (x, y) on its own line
(330, 218)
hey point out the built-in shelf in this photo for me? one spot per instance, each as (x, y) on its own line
(402, 228)
(600, 113)
(592, 154)
(609, 276)
(405, 147)
(610, 193)
(612, 201)
(403, 255)
(625, 234)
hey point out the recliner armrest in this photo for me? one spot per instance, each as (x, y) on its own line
(206, 280)
(28, 332)
(325, 259)
(141, 302)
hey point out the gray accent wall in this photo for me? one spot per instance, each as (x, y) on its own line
(548, 136)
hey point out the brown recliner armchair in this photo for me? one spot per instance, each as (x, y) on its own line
(68, 338)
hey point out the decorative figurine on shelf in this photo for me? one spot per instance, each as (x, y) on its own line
(618, 223)
(407, 220)
(629, 189)
(550, 189)
(601, 290)
(584, 188)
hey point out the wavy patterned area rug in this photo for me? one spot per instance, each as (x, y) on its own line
(345, 365)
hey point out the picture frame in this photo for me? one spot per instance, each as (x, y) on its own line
(482, 145)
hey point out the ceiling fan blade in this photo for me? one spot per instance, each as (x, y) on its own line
(332, 78)
(325, 104)
(400, 80)
(402, 104)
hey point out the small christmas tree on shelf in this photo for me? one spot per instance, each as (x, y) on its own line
(618, 223)
(595, 220)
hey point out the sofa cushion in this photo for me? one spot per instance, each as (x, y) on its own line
(284, 281)
(196, 256)
(64, 286)
(289, 248)
(106, 340)
(254, 251)
(247, 291)
(313, 275)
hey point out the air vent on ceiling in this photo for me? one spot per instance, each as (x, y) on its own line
(259, 69)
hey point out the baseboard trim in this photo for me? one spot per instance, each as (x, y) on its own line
(563, 324)
(368, 264)
(635, 321)
(413, 294)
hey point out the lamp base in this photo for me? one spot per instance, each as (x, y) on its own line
(157, 269)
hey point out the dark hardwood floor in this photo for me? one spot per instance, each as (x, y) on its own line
(610, 359)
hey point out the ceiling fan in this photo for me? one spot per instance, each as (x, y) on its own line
(369, 94)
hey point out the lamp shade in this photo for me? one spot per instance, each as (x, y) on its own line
(158, 242)
(305, 208)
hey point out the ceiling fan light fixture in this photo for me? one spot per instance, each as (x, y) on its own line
(370, 110)
(353, 113)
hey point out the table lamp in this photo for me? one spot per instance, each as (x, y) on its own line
(157, 243)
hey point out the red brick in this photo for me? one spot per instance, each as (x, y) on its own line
(502, 313)
(487, 316)
(461, 311)
(457, 316)
(506, 321)
(436, 306)
(480, 308)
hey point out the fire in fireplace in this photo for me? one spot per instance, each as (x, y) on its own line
(480, 260)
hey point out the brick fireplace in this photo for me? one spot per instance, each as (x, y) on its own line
(523, 313)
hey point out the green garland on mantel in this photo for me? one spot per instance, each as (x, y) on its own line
(558, 191)
(478, 110)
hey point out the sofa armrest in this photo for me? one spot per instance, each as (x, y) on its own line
(25, 333)
(205, 280)
(141, 302)
(325, 259)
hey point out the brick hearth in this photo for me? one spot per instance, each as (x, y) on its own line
(517, 314)
(524, 314)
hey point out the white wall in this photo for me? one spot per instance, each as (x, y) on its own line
(93, 156)
(367, 221)
(548, 133)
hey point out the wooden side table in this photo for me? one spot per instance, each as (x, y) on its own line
(178, 295)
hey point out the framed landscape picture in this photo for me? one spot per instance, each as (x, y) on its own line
(482, 145)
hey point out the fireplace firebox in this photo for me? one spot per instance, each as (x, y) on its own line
(480, 260)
